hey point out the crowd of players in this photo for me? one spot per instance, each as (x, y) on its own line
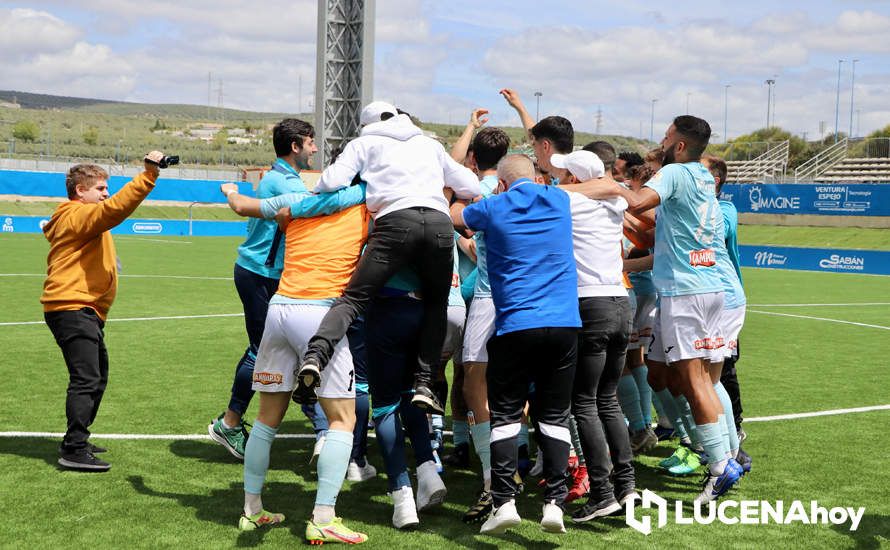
(572, 293)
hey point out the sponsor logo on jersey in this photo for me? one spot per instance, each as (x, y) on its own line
(709, 343)
(267, 378)
(705, 257)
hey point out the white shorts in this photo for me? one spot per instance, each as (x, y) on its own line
(285, 336)
(454, 333)
(688, 327)
(644, 321)
(731, 321)
(479, 328)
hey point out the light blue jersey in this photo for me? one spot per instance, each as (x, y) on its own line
(733, 293)
(685, 260)
(454, 297)
(483, 288)
(641, 280)
(263, 251)
(730, 234)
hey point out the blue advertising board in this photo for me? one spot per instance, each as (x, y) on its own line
(869, 262)
(199, 228)
(827, 199)
(52, 184)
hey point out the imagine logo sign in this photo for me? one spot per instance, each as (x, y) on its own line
(758, 201)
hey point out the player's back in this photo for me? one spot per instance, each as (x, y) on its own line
(321, 253)
(686, 229)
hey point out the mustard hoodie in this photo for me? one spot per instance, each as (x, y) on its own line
(82, 264)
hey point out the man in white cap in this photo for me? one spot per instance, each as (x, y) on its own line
(405, 173)
(602, 341)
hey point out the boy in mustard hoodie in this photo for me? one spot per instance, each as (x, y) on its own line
(81, 282)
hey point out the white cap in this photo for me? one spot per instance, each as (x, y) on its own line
(372, 112)
(584, 165)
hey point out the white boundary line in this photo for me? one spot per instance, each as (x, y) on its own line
(822, 305)
(818, 319)
(194, 277)
(167, 318)
(143, 239)
(181, 437)
(818, 413)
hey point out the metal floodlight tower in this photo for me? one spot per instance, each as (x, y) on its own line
(344, 80)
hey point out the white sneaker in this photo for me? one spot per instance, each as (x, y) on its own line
(430, 488)
(354, 472)
(501, 519)
(551, 520)
(316, 450)
(404, 512)
(538, 468)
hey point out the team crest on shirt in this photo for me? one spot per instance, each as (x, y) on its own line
(267, 378)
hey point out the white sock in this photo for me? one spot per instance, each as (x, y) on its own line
(226, 425)
(322, 513)
(253, 504)
(486, 479)
(718, 468)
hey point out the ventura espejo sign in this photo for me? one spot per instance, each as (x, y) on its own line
(829, 199)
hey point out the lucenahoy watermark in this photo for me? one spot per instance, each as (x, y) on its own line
(745, 512)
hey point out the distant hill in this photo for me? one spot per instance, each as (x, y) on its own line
(124, 108)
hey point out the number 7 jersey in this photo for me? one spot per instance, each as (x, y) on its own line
(685, 232)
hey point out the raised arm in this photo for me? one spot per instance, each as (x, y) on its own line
(513, 100)
(98, 218)
(460, 147)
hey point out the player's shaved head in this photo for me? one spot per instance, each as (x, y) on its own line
(514, 167)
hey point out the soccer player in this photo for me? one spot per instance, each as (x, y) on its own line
(321, 255)
(392, 336)
(80, 286)
(728, 377)
(689, 284)
(258, 269)
(405, 172)
(602, 342)
(528, 232)
(488, 147)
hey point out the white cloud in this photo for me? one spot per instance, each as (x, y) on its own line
(26, 32)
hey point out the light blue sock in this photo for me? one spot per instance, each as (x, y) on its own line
(712, 441)
(522, 438)
(687, 419)
(732, 437)
(721, 420)
(664, 419)
(672, 412)
(640, 374)
(256, 457)
(332, 463)
(461, 432)
(629, 399)
(482, 443)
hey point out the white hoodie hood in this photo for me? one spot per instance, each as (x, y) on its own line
(402, 167)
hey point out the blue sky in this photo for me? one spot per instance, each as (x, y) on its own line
(441, 59)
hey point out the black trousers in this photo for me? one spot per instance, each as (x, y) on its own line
(602, 347)
(730, 381)
(80, 336)
(422, 238)
(545, 357)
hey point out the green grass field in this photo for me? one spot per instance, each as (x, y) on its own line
(172, 376)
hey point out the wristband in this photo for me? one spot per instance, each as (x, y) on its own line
(230, 191)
